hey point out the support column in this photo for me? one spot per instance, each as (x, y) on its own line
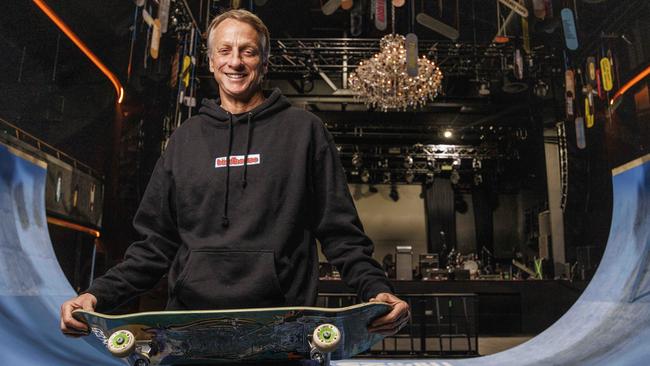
(554, 186)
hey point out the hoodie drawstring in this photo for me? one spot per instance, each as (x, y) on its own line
(248, 148)
(225, 222)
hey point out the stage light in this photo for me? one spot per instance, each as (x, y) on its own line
(365, 176)
(448, 134)
(409, 176)
(454, 177)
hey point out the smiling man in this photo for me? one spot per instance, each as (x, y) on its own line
(236, 202)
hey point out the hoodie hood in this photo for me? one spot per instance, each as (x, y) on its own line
(274, 102)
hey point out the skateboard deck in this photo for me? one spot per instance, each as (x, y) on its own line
(239, 335)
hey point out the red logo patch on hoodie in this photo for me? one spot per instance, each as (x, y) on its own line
(237, 160)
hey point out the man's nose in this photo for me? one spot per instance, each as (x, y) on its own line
(235, 59)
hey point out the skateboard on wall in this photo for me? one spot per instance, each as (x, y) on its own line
(238, 335)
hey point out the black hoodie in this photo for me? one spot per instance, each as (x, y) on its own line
(243, 234)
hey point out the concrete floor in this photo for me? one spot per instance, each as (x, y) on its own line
(490, 345)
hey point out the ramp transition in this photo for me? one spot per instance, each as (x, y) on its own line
(32, 285)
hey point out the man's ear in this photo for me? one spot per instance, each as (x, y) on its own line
(210, 64)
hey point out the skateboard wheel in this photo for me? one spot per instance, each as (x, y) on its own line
(121, 343)
(326, 337)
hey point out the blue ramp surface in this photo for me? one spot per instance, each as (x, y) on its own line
(32, 285)
(610, 322)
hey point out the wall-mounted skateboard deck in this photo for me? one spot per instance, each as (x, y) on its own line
(239, 335)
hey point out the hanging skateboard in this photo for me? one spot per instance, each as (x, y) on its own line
(569, 27)
(581, 139)
(526, 34)
(436, 25)
(539, 9)
(570, 92)
(356, 20)
(516, 7)
(163, 15)
(155, 39)
(591, 70)
(518, 64)
(589, 112)
(380, 15)
(330, 6)
(606, 72)
(412, 55)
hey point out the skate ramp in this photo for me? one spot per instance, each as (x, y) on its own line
(610, 322)
(32, 285)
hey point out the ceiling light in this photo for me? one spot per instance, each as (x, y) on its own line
(382, 81)
(448, 134)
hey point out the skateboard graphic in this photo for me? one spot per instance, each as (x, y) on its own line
(238, 335)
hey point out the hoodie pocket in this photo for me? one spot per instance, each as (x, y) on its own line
(223, 279)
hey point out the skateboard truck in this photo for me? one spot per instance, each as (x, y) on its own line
(324, 340)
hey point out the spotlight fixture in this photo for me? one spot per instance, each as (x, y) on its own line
(478, 179)
(408, 162)
(484, 89)
(431, 162)
(448, 134)
(476, 164)
(365, 176)
(386, 177)
(454, 178)
(357, 161)
(429, 178)
(409, 176)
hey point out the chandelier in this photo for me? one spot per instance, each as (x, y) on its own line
(383, 82)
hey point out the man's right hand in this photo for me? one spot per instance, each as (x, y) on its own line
(71, 326)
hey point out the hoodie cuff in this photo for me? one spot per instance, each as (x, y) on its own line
(375, 289)
(104, 300)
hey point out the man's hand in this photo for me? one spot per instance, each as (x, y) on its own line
(395, 320)
(71, 326)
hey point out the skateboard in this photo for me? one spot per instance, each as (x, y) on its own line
(380, 15)
(437, 26)
(516, 7)
(569, 26)
(412, 55)
(330, 6)
(238, 335)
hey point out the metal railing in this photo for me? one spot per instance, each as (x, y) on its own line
(441, 325)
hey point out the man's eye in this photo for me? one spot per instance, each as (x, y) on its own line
(223, 51)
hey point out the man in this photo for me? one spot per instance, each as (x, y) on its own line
(236, 201)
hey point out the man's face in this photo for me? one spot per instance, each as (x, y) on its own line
(236, 60)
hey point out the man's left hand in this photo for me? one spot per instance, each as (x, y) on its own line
(395, 320)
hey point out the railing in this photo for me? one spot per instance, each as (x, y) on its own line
(8, 129)
(441, 325)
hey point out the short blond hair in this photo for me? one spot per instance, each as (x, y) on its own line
(249, 18)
